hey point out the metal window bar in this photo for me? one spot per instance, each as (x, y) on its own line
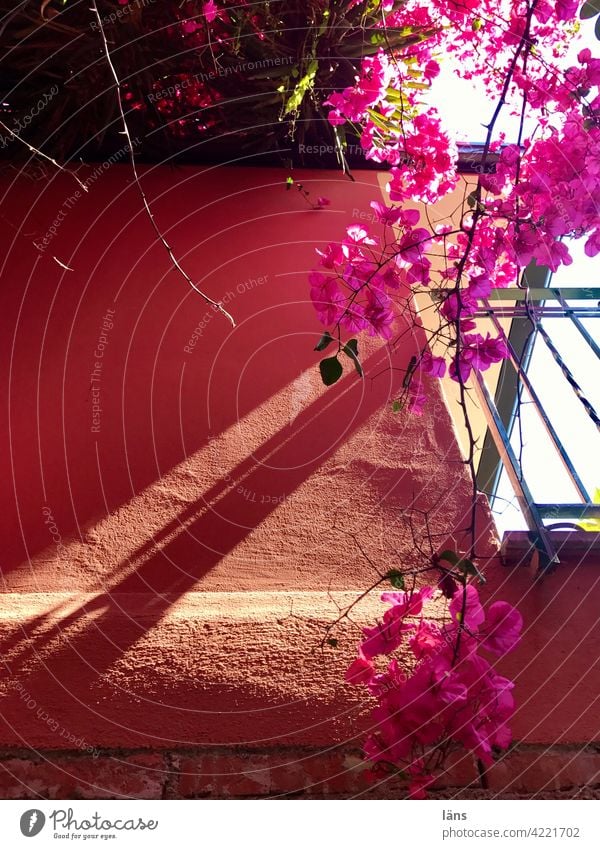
(530, 305)
(548, 426)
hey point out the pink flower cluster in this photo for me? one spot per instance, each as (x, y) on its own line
(556, 195)
(355, 287)
(450, 696)
(540, 191)
(382, 101)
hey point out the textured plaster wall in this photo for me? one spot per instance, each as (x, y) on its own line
(183, 500)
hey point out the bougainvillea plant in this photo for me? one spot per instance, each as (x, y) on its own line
(448, 696)
(542, 190)
(442, 693)
(199, 79)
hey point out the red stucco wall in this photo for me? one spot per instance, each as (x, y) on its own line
(172, 557)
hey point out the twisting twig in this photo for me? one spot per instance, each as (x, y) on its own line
(216, 304)
(43, 155)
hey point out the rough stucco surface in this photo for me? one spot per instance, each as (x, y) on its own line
(220, 668)
(169, 573)
(218, 462)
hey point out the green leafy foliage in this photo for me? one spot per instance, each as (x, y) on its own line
(449, 556)
(325, 340)
(306, 83)
(463, 564)
(331, 370)
(396, 579)
(275, 61)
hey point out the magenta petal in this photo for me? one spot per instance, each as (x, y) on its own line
(503, 629)
(361, 671)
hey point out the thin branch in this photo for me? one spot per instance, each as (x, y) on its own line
(37, 152)
(215, 304)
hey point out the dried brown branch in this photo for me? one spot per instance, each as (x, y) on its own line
(217, 305)
(37, 152)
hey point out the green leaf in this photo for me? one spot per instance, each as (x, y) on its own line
(396, 579)
(589, 9)
(472, 199)
(378, 119)
(325, 340)
(331, 370)
(469, 568)
(289, 183)
(351, 350)
(324, 22)
(396, 406)
(449, 556)
(394, 95)
(306, 83)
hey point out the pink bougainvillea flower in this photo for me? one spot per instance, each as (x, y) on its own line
(433, 366)
(592, 246)
(449, 689)
(379, 315)
(354, 318)
(416, 400)
(413, 244)
(327, 298)
(358, 235)
(419, 272)
(503, 628)
(431, 69)
(210, 11)
(466, 609)
(392, 277)
(411, 604)
(384, 638)
(480, 286)
(360, 671)
(335, 118)
(566, 10)
(427, 640)
(477, 352)
(487, 350)
(386, 214)
(332, 255)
